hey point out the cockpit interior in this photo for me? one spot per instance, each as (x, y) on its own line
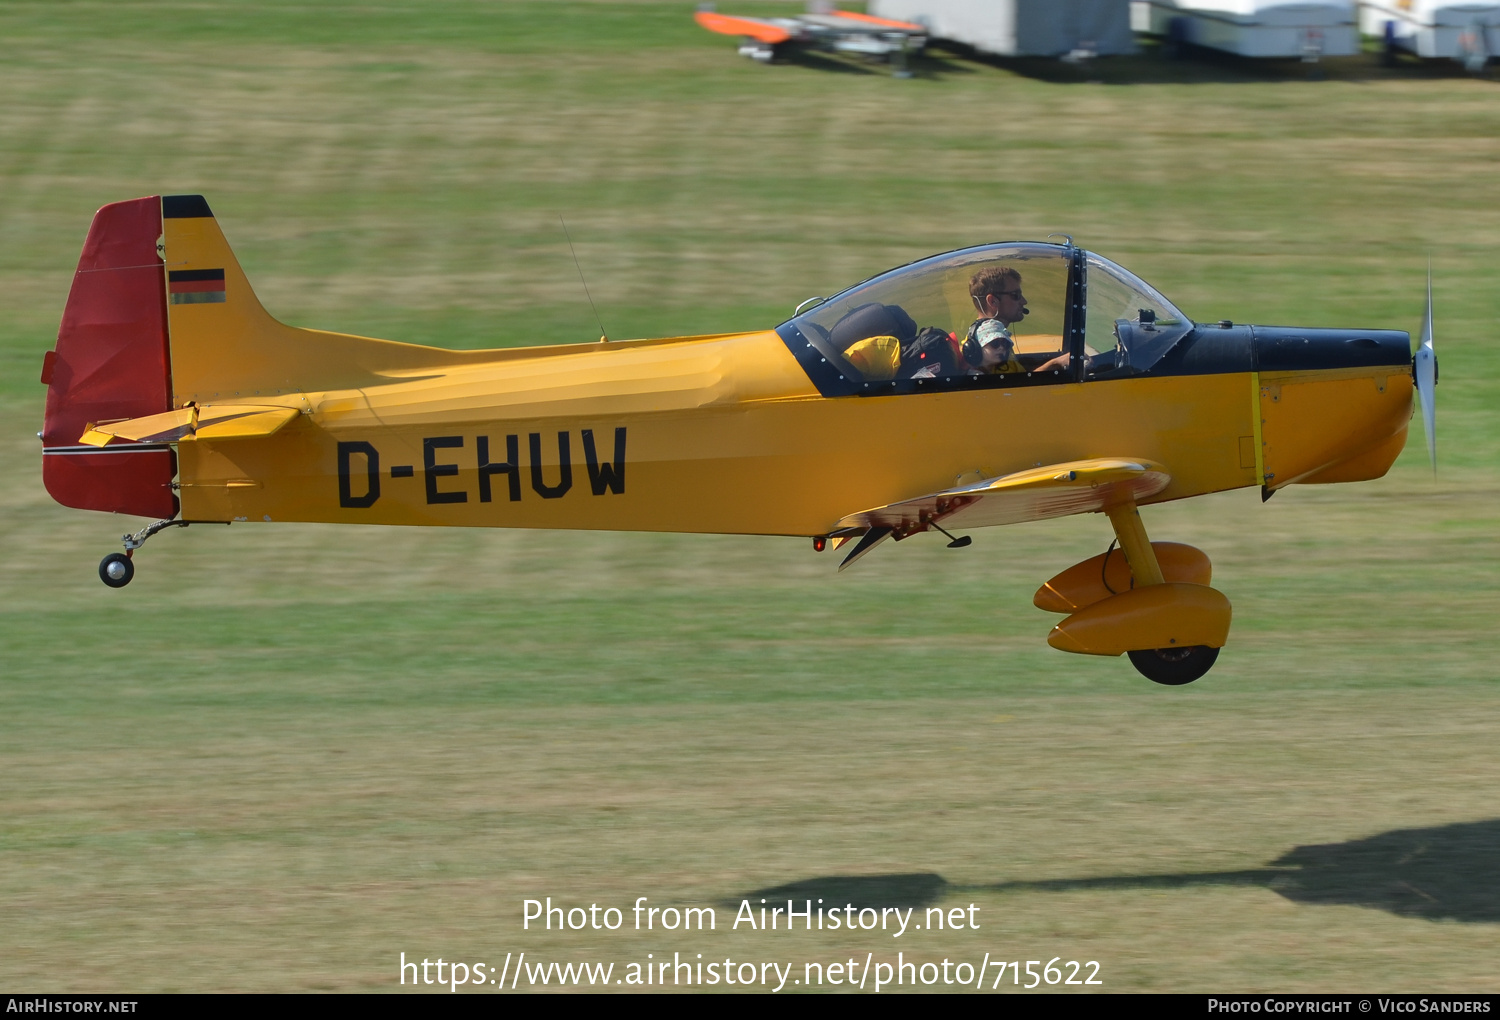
(996, 315)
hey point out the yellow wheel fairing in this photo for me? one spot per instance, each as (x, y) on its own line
(1169, 615)
(1099, 577)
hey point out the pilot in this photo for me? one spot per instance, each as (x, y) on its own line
(988, 347)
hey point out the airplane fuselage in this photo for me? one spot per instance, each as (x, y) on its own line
(728, 435)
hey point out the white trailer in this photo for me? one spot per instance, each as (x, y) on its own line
(1469, 32)
(1021, 28)
(1255, 28)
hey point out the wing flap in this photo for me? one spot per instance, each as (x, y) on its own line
(1055, 490)
(211, 421)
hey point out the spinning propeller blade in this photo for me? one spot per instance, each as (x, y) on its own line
(1424, 368)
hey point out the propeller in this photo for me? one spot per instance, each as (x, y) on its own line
(1424, 369)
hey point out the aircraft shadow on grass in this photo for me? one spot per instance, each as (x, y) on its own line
(1450, 872)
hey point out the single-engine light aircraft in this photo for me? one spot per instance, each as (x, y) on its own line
(997, 384)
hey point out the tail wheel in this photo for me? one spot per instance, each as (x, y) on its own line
(116, 570)
(1174, 666)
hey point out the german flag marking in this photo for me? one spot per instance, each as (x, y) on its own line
(195, 286)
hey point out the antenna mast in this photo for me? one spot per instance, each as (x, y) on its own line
(603, 338)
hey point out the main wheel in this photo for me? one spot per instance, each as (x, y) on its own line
(1174, 666)
(116, 570)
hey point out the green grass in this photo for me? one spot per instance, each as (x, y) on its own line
(285, 755)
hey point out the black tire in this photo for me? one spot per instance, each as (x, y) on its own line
(116, 570)
(1174, 666)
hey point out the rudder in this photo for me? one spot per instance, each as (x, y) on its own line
(112, 362)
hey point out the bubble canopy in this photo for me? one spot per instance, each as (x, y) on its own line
(1031, 313)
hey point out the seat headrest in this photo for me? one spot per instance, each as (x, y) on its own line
(873, 319)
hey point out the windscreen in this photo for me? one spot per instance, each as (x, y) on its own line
(1130, 325)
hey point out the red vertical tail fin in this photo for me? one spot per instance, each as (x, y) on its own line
(112, 362)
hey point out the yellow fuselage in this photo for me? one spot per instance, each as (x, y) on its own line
(727, 434)
(722, 434)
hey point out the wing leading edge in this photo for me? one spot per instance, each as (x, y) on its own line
(1055, 490)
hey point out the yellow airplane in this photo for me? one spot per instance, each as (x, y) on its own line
(993, 385)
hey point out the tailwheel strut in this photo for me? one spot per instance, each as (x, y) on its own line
(117, 569)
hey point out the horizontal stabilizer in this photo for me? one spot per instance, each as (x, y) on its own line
(1056, 490)
(212, 421)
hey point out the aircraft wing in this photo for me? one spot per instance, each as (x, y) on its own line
(759, 29)
(849, 21)
(210, 421)
(1055, 490)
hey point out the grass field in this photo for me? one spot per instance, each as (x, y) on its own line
(283, 756)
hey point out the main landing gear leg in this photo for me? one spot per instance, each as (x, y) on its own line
(117, 569)
(1131, 533)
(1170, 666)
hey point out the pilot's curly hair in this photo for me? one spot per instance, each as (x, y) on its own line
(992, 280)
